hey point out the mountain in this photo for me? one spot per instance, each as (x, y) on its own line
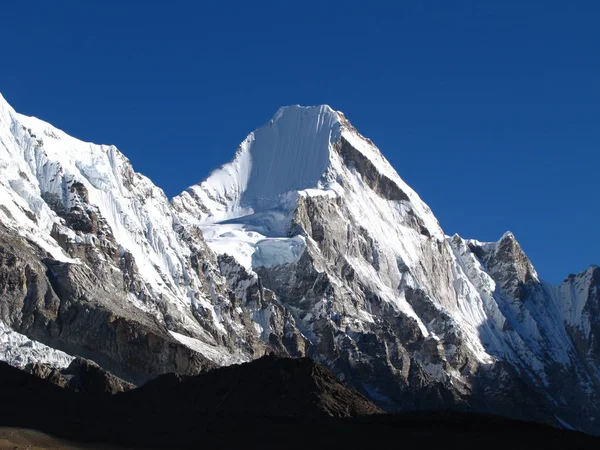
(308, 243)
(268, 403)
(268, 387)
(81, 375)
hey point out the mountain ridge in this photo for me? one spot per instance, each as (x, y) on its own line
(341, 261)
(285, 396)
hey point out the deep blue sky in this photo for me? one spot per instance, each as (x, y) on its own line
(489, 109)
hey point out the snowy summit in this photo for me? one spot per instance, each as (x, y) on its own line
(307, 243)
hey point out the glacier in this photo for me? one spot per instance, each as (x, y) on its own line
(18, 350)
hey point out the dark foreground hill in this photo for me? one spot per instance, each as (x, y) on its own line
(269, 403)
(269, 386)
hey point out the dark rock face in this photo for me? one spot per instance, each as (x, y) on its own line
(47, 372)
(388, 359)
(375, 180)
(82, 375)
(509, 266)
(71, 308)
(270, 386)
(279, 332)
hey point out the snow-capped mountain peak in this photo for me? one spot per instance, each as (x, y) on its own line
(299, 149)
(289, 153)
(308, 197)
(83, 204)
(301, 152)
(307, 243)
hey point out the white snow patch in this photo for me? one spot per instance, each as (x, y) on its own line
(218, 355)
(252, 248)
(278, 251)
(18, 350)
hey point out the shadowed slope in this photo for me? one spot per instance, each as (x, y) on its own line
(270, 386)
(270, 403)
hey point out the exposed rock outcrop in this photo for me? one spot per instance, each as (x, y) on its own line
(81, 375)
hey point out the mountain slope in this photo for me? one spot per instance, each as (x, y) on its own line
(317, 214)
(304, 407)
(269, 387)
(92, 253)
(307, 243)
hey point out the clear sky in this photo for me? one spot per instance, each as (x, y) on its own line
(490, 110)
